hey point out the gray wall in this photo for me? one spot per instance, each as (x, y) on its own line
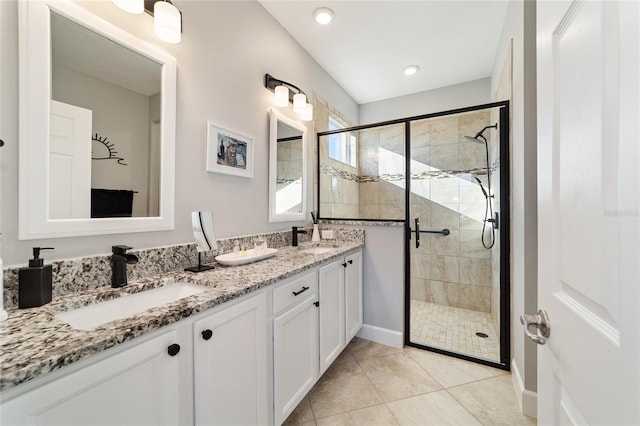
(122, 116)
(519, 30)
(226, 48)
(384, 277)
(461, 95)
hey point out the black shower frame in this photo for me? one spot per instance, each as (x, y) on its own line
(505, 225)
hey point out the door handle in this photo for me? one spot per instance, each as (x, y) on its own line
(417, 233)
(542, 324)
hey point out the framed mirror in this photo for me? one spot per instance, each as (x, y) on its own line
(287, 168)
(97, 126)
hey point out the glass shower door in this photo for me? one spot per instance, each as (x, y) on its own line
(452, 249)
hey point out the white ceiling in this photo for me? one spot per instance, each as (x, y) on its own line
(368, 43)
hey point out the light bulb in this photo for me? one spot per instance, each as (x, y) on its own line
(411, 70)
(307, 114)
(299, 102)
(281, 96)
(130, 6)
(166, 22)
(323, 15)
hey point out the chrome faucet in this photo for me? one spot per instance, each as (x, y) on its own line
(119, 261)
(294, 235)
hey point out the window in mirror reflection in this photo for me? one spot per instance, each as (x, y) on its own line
(105, 137)
(289, 170)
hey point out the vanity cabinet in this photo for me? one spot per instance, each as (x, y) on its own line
(340, 289)
(353, 294)
(230, 365)
(295, 342)
(332, 310)
(142, 384)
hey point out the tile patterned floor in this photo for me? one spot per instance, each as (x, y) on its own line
(373, 384)
(454, 330)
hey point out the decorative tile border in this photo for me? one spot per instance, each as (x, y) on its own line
(432, 174)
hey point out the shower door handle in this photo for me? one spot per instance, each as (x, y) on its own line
(417, 230)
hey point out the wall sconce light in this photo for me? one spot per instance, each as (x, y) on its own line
(167, 19)
(135, 7)
(287, 92)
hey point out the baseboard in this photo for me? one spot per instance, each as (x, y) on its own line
(527, 399)
(381, 335)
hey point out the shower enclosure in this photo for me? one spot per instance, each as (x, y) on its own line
(455, 208)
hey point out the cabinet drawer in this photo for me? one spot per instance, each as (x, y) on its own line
(295, 291)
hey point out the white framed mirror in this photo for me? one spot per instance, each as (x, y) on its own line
(97, 126)
(287, 168)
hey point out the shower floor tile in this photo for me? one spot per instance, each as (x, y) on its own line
(454, 330)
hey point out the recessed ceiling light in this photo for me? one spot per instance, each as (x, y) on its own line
(323, 15)
(411, 69)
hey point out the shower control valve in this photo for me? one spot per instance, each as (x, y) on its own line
(495, 221)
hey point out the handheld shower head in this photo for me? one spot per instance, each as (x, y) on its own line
(484, 191)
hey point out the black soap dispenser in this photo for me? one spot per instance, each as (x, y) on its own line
(35, 282)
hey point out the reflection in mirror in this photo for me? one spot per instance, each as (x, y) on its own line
(97, 126)
(202, 224)
(111, 103)
(287, 184)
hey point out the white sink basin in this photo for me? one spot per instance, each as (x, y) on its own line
(315, 250)
(91, 316)
(251, 255)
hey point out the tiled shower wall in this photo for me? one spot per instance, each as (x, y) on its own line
(453, 270)
(382, 168)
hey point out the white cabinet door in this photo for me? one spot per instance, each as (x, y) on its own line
(353, 295)
(138, 386)
(295, 355)
(230, 365)
(332, 325)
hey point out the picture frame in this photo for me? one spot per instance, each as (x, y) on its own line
(229, 152)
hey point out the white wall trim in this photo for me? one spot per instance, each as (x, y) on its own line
(527, 400)
(381, 335)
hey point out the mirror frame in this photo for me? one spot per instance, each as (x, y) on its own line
(274, 117)
(35, 95)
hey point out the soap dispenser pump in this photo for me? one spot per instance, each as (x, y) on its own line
(35, 282)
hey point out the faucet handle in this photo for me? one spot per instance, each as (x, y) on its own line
(121, 249)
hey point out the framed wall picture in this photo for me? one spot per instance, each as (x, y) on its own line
(229, 152)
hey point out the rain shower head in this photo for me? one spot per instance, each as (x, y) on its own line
(479, 135)
(475, 139)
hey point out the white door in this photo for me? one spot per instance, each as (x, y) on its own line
(69, 162)
(589, 219)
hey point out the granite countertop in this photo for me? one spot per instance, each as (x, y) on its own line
(34, 342)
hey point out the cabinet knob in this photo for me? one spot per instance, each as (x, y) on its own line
(206, 334)
(173, 349)
(316, 303)
(344, 264)
(350, 262)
